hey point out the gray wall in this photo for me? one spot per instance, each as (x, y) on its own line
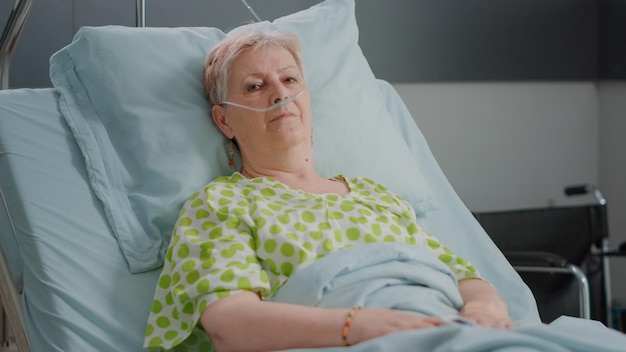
(480, 40)
(612, 39)
(404, 40)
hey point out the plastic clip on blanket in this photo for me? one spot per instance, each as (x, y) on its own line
(275, 106)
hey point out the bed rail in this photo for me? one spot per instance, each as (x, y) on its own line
(10, 37)
(140, 11)
(13, 334)
(17, 20)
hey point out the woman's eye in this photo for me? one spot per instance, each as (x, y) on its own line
(254, 86)
(291, 80)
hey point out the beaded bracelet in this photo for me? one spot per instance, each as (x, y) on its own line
(346, 325)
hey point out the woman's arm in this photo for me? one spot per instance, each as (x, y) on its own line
(483, 304)
(243, 322)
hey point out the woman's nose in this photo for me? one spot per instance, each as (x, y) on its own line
(279, 90)
(281, 94)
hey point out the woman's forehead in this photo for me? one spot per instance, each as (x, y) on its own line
(275, 58)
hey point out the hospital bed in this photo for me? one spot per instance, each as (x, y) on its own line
(93, 172)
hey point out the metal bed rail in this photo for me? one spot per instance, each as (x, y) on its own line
(140, 11)
(13, 334)
(15, 25)
(10, 37)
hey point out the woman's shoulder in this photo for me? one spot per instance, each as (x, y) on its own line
(362, 183)
(370, 189)
(226, 181)
(217, 185)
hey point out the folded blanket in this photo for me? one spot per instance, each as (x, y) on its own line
(412, 279)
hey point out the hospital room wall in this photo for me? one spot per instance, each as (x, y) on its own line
(502, 144)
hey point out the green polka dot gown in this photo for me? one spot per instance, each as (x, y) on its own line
(239, 234)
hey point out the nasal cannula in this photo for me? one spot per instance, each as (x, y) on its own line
(275, 106)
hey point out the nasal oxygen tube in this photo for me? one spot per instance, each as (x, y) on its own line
(275, 106)
(258, 19)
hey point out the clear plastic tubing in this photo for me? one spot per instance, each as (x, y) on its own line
(275, 106)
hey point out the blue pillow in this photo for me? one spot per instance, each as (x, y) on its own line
(133, 99)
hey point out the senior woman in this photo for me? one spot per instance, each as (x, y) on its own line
(242, 236)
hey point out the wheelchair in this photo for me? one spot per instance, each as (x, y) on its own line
(562, 253)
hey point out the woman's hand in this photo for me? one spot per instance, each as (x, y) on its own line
(243, 322)
(483, 305)
(371, 323)
(490, 314)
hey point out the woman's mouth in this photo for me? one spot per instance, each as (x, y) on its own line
(283, 116)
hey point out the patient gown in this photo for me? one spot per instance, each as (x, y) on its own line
(241, 234)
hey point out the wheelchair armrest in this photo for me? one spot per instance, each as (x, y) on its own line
(547, 262)
(533, 258)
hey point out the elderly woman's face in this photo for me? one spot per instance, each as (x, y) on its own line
(260, 78)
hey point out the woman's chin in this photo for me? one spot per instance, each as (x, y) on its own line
(290, 137)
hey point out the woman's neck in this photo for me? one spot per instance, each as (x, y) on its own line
(296, 175)
(293, 162)
(292, 168)
(305, 180)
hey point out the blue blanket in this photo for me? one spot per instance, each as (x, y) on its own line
(412, 279)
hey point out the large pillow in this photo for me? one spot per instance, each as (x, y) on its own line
(133, 98)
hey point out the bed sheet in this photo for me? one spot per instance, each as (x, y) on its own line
(78, 294)
(412, 279)
(14, 168)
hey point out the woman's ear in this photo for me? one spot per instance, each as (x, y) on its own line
(219, 117)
